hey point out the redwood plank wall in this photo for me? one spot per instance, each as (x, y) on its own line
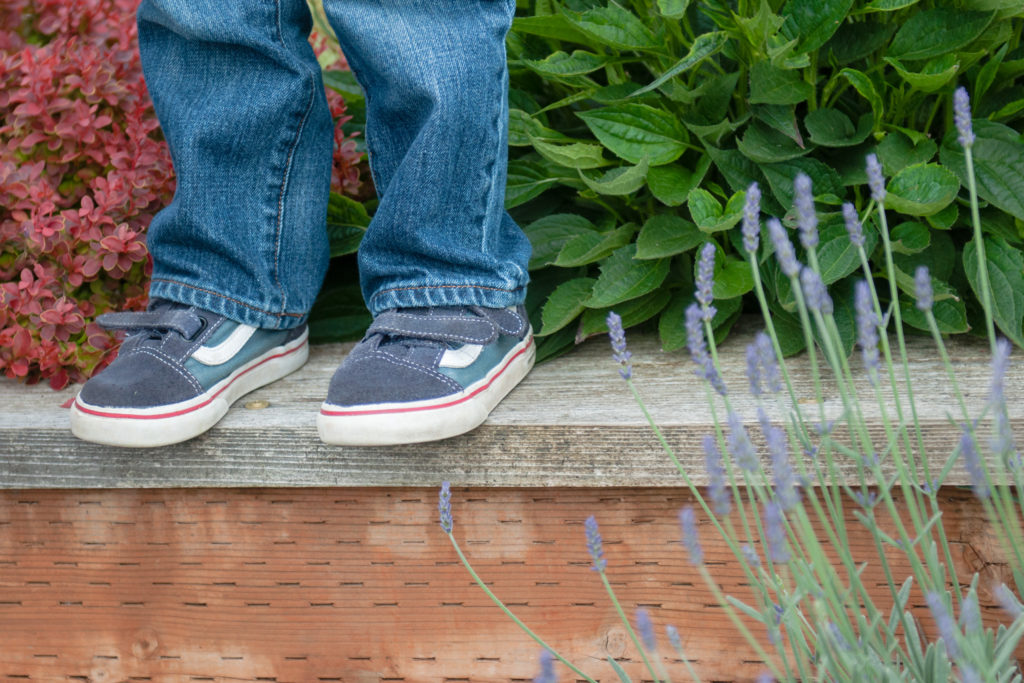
(361, 585)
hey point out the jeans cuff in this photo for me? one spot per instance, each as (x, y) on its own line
(445, 295)
(230, 307)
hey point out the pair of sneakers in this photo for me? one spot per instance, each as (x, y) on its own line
(419, 374)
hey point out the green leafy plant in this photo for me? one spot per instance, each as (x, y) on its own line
(636, 127)
(817, 618)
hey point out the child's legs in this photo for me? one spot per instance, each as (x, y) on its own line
(239, 96)
(437, 125)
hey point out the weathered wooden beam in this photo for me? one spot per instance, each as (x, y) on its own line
(571, 423)
(361, 585)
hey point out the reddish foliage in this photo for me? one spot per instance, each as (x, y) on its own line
(83, 168)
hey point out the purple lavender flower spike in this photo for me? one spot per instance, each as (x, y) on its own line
(752, 219)
(594, 546)
(769, 363)
(547, 668)
(444, 507)
(968, 674)
(619, 352)
(782, 473)
(775, 533)
(962, 117)
(783, 248)
(1003, 444)
(853, 226)
(699, 349)
(753, 370)
(1000, 364)
(688, 522)
(706, 280)
(750, 556)
(970, 614)
(717, 491)
(673, 638)
(740, 447)
(765, 677)
(1008, 601)
(815, 294)
(867, 329)
(947, 627)
(972, 461)
(807, 217)
(923, 288)
(876, 180)
(646, 629)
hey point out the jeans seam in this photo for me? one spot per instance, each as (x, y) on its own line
(228, 298)
(287, 173)
(419, 287)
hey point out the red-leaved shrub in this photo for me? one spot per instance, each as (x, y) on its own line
(83, 169)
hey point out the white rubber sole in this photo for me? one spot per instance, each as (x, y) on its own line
(177, 422)
(391, 424)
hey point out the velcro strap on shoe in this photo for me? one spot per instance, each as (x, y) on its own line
(444, 328)
(183, 321)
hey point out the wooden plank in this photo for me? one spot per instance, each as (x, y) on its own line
(360, 584)
(572, 422)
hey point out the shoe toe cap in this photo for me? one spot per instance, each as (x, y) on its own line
(139, 381)
(377, 379)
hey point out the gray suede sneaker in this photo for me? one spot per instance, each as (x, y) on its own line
(178, 371)
(422, 374)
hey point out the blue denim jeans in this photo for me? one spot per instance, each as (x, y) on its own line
(239, 96)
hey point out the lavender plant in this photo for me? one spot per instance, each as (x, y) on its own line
(818, 619)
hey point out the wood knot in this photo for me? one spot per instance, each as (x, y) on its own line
(145, 644)
(258, 404)
(615, 642)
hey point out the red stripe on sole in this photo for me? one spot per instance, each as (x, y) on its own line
(183, 411)
(338, 413)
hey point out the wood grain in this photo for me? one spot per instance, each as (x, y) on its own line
(360, 584)
(572, 422)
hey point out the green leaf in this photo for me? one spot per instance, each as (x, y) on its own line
(950, 315)
(812, 22)
(672, 323)
(575, 155)
(618, 181)
(896, 151)
(636, 131)
(910, 238)
(590, 247)
(781, 118)
(833, 128)
(933, 32)
(704, 208)
(788, 330)
(673, 9)
(632, 312)
(889, 5)
(824, 179)
(523, 129)
(856, 41)
(526, 180)
(1006, 279)
(342, 209)
(617, 668)
(703, 47)
(671, 184)
(772, 85)
(921, 190)
(549, 234)
(614, 26)
(945, 219)
(564, 304)
(998, 164)
(623, 278)
(338, 314)
(344, 238)
(837, 256)
(551, 26)
(667, 234)
(934, 75)
(864, 85)
(732, 276)
(766, 145)
(562, 64)
(940, 257)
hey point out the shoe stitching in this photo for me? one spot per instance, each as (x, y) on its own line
(193, 382)
(430, 372)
